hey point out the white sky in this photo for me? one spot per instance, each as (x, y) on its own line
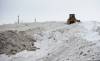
(48, 10)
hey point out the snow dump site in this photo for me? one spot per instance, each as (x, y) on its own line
(50, 41)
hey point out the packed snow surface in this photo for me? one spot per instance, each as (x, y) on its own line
(58, 41)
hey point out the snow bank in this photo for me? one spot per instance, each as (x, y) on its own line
(61, 42)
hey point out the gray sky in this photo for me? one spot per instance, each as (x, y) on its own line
(48, 10)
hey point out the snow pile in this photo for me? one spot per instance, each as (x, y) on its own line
(12, 42)
(61, 42)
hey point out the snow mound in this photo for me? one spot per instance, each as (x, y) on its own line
(12, 42)
(61, 42)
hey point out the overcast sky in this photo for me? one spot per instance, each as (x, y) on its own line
(48, 10)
